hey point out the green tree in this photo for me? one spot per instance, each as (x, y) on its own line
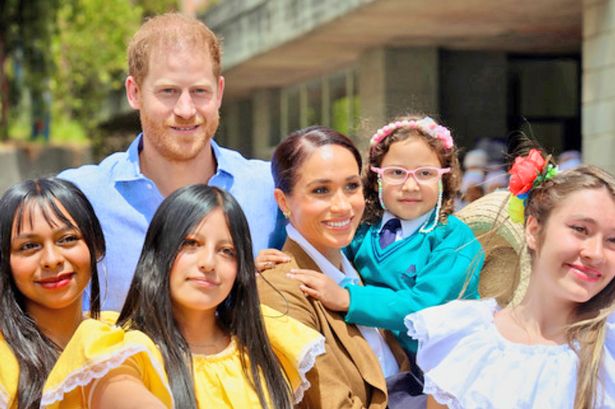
(88, 50)
(74, 48)
(153, 7)
(26, 28)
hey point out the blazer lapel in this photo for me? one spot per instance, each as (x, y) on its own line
(349, 335)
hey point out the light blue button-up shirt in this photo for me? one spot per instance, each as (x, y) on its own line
(125, 201)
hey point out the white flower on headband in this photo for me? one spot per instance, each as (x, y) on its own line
(426, 125)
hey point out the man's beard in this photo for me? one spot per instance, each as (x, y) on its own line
(175, 147)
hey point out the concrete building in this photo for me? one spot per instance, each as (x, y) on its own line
(483, 67)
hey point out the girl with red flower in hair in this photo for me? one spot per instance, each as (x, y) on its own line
(556, 348)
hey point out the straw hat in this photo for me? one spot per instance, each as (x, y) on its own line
(506, 269)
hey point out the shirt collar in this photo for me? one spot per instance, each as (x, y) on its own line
(223, 164)
(408, 227)
(341, 277)
(371, 335)
(129, 168)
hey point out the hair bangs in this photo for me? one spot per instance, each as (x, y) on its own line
(47, 203)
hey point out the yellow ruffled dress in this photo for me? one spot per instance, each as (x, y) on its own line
(219, 381)
(97, 347)
(9, 375)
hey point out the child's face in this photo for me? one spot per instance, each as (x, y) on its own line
(50, 262)
(205, 268)
(410, 199)
(574, 255)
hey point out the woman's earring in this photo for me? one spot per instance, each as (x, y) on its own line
(424, 228)
(380, 193)
(286, 213)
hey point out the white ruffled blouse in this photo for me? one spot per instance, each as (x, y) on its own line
(468, 364)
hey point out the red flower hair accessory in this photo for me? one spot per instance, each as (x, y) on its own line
(527, 173)
(524, 172)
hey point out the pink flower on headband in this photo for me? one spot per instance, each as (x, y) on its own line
(425, 125)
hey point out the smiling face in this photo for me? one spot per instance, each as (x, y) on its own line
(178, 102)
(326, 203)
(205, 268)
(574, 252)
(410, 199)
(50, 261)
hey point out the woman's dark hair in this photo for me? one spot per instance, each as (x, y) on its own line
(36, 353)
(448, 159)
(292, 151)
(148, 306)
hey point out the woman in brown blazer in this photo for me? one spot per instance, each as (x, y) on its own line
(318, 188)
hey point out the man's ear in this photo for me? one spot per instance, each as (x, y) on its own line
(281, 200)
(133, 92)
(220, 89)
(532, 233)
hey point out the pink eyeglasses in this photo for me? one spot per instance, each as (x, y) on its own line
(396, 175)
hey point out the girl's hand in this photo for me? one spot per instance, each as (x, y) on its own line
(319, 286)
(269, 258)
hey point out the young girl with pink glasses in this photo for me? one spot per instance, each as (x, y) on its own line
(410, 251)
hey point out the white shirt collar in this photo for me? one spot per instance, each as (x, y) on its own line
(348, 273)
(373, 337)
(408, 227)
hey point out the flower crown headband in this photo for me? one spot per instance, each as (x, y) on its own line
(527, 173)
(426, 125)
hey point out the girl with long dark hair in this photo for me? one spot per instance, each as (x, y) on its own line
(194, 294)
(50, 242)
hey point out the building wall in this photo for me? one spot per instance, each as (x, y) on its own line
(395, 81)
(474, 100)
(470, 84)
(470, 91)
(598, 111)
(20, 162)
(256, 26)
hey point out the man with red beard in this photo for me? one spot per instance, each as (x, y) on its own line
(175, 83)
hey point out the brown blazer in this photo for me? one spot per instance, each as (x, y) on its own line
(348, 375)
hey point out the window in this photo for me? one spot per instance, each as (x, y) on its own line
(331, 101)
(544, 100)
